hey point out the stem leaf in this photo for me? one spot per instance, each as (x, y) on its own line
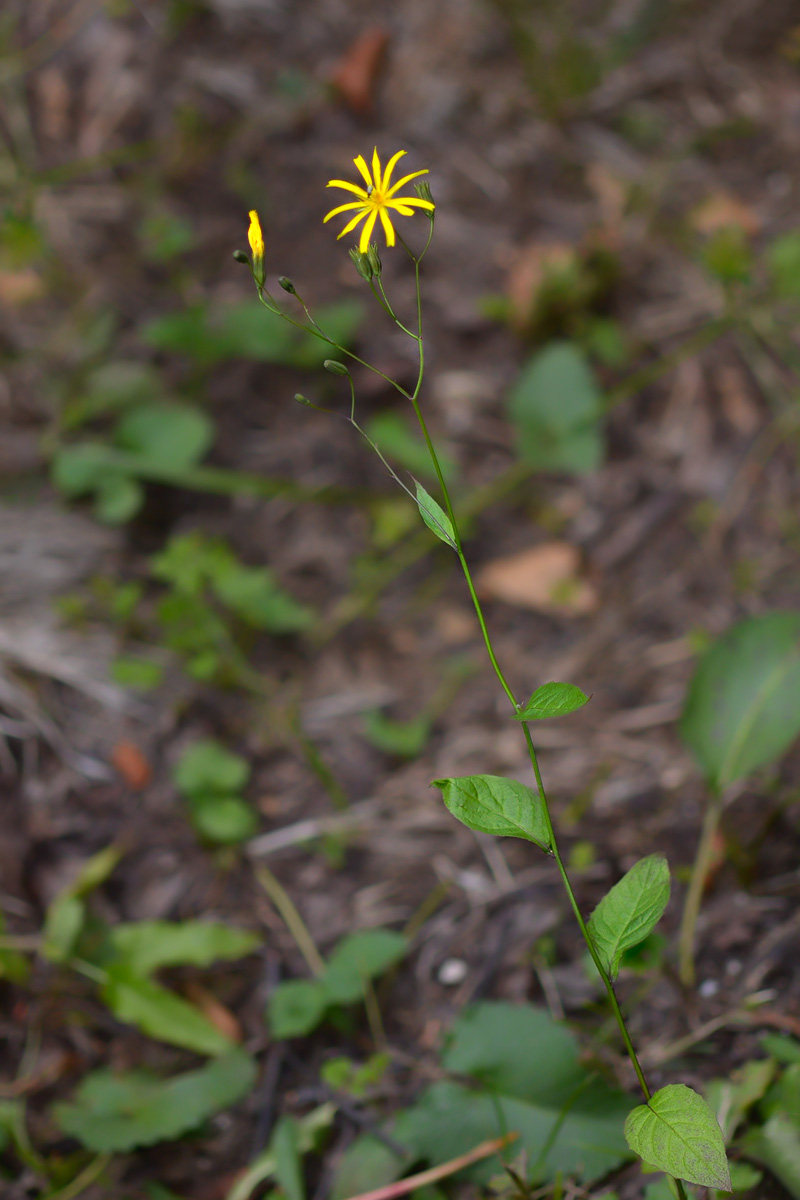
(630, 910)
(435, 517)
(493, 804)
(678, 1133)
(552, 700)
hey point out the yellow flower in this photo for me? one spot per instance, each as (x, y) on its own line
(254, 235)
(377, 198)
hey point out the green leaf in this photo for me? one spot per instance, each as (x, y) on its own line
(254, 594)
(556, 409)
(678, 1133)
(223, 820)
(115, 1113)
(309, 1132)
(138, 673)
(776, 1144)
(742, 708)
(118, 498)
(785, 1049)
(112, 387)
(145, 946)
(515, 1049)
(207, 767)
(731, 1098)
(78, 469)
(359, 957)
(552, 700)
(62, 927)
(406, 739)
(630, 910)
(288, 1164)
(743, 1177)
(296, 1008)
(493, 804)
(783, 259)
(166, 433)
(435, 517)
(160, 1013)
(367, 1163)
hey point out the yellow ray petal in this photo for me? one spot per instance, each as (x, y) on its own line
(400, 207)
(390, 166)
(348, 187)
(409, 202)
(388, 228)
(366, 232)
(342, 208)
(352, 224)
(363, 170)
(402, 182)
(376, 170)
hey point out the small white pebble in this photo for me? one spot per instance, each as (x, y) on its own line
(709, 987)
(452, 972)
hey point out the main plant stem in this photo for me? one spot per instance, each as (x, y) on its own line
(562, 870)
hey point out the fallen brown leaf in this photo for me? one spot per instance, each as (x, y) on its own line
(720, 210)
(545, 578)
(356, 73)
(132, 765)
(220, 1017)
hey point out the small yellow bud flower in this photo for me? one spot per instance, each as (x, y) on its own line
(377, 199)
(256, 239)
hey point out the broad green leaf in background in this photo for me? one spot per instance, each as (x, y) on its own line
(66, 913)
(296, 1007)
(160, 1013)
(533, 1083)
(309, 1131)
(207, 767)
(144, 946)
(435, 517)
(776, 1145)
(552, 700)
(783, 260)
(167, 433)
(556, 409)
(222, 820)
(254, 594)
(115, 1113)
(730, 1099)
(630, 910)
(784, 1049)
(358, 958)
(405, 739)
(367, 1163)
(742, 710)
(288, 1163)
(118, 498)
(112, 387)
(678, 1133)
(493, 804)
(396, 440)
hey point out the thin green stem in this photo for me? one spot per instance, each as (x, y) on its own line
(697, 883)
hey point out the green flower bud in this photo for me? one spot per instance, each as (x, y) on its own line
(335, 368)
(286, 284)
(423, 190)
(301, 399)
(374, 259)
(240, 256)
(361, 264)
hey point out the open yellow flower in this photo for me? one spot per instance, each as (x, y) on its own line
(377, 199)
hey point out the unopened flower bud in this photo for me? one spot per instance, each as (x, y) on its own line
(335, 367)
(256, 239)
(374, 258)
(361, 264)
(240, 256)
(423, 190)
(286, 284)
(301, 399)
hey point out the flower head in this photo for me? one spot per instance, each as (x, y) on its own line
(377, 199)
(256, 239)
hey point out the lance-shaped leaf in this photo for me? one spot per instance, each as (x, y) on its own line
(552, 700)
(678, 1133)
(631, 910)
(493, 804)
(435, 517)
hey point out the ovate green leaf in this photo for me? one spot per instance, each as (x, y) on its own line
(678, 1133)
(115, 1113)
(552, 700)
(288, 1164)
(296, 1007)
(207, 767)
(360, 957)
(556, 408)
(493, 804)
(160, 1013)
(743, 706)
(167, 433)
(631, 910)
(435, 517)
(145, 946)
(776, 1144)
